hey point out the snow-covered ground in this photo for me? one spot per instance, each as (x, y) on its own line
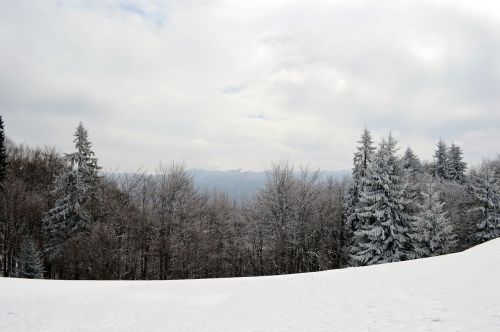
(459, 292)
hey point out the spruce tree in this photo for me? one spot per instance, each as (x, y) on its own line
(3, 154)
(456, 166)
(383, 220)
(412, 174)
(411, 162)
(29, 263)
(431, 232)
(74, 189)
(413, 168)
(484, 185)
(83, 163)
(442, 163)
(362, 158)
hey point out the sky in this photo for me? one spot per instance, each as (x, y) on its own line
(239, 84)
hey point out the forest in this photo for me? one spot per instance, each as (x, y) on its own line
(61, 217)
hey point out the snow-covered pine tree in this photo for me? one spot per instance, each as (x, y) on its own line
(3, 154)
(29, 262)
(413, 172)
(484, 185)
(431, 232)
(74, 188)
(411, 162)
(383, 221)
(442, 162)
(84, 164)
(456, 165)
(362, 158)
(496, 166)
(414, 169)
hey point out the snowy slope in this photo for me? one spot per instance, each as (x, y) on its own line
(459, 292)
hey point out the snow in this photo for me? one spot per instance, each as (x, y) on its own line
(458, 292)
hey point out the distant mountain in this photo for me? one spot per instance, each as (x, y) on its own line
(239, 183)
(236, 183)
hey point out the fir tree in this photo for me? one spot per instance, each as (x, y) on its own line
(456, 166)
(3, 154)
(413, 168)
(442, 163)
(75, 188)
(382, 234)
(411, 192)
(29, 263)
(411, 162)
(484, 185)
(362, 158)
(83, 162)
(431, 231)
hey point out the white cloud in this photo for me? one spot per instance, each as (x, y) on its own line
(239, 84)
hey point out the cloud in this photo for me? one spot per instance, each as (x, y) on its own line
(239, 84)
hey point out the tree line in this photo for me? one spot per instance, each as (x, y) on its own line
(61, 218)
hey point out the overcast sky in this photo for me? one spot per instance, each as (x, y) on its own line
(239, 84)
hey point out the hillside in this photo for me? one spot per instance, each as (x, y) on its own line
(458, 292)
(240, 184)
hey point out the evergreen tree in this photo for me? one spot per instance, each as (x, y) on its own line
(413, 168)
(442, 163)
(456, 165)
(411, 193)
(484, 186)
(411, 162)
(431, 232)
(29, 263)
(3, 154)
(411, 172)
(83, 163)
(362, 158)
(75, 188)
(382, 234)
